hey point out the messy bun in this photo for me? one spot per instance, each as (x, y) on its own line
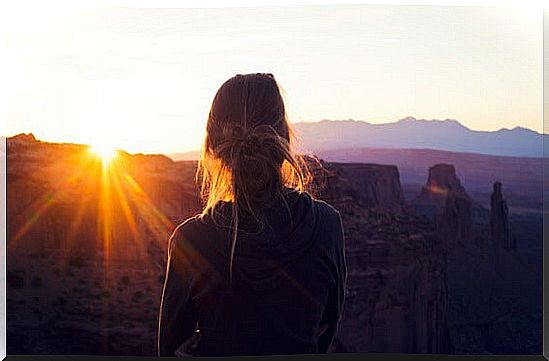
(247, 157)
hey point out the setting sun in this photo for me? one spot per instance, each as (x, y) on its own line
(106, 153)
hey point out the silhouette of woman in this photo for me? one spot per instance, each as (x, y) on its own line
(262, 269)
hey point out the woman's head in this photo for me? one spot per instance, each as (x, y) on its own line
(247, 156)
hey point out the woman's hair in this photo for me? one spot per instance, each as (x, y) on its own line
(247, 157)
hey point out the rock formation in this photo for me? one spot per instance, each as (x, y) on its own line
(432, 199)
(443, 177)
(455, 223)
(445, 200)
(372, 186)
(396, 294)
(23, 138)
(499, 220)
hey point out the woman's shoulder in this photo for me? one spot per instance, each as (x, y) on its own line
(330, 224)
(187, 224)
(200, 227)
(186, 230)
(326, 210)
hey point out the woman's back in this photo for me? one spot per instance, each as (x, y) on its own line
(288, 281)
(262, 269)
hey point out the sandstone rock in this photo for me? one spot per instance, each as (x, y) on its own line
(432, 199)
(455, 224)
(499, 220)
(373, 186)
(442, 177)
(23, 138)
(396, 291)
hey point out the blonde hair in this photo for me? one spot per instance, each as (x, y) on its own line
(247, 157)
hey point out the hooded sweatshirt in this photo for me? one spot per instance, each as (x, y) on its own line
(287, 286)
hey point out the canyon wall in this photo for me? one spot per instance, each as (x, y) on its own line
(371, 186)
(396, 291)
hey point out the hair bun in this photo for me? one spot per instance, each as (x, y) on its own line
(248, 142)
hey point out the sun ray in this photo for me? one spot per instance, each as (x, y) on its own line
(76, 221)
(45, 201)
(124, 210)
(131, 190)
(123, 200)
(147, 204)
(104, 217)
(124, 203)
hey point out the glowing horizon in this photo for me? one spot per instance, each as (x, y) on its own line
(142, 79)
(105, 152)
(119, 198)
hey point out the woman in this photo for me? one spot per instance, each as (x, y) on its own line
(262, 269)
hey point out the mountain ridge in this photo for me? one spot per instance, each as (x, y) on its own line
(409, 132)
(410, 119)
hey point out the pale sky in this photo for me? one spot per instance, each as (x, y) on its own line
(143, 79)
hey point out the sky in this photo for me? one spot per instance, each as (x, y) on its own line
(142, 79)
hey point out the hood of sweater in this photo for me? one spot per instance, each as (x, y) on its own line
(262, 253)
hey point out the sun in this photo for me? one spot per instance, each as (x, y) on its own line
(105, 152)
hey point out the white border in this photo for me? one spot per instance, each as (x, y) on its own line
(260, 3)
(3, 240)
(37, 4)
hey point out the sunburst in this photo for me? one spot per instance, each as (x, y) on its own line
(105, 152)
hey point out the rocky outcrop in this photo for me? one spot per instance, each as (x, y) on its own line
(444, 200)
(499, 220)
(396, 291)
(443, 177)
(23, 138)
(432, 199)
(455, 223)
(372, 186)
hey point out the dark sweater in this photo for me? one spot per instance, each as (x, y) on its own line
(288, 281)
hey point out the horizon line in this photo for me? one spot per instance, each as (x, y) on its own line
(411, 117)
(169, 154)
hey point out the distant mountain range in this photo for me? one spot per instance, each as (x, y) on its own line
(411, 133)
